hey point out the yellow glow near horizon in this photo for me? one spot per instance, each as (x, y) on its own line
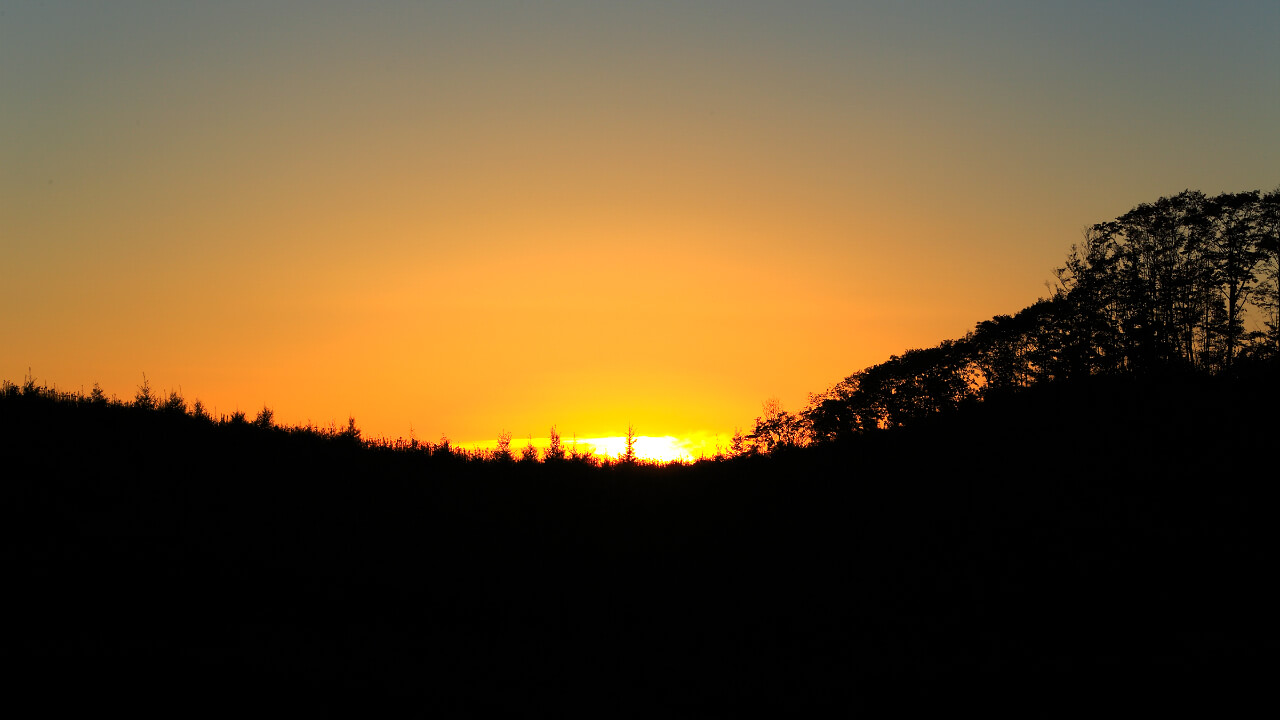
(665, 448)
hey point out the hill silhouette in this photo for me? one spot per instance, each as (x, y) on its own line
(1105, 533)
(1080, 522)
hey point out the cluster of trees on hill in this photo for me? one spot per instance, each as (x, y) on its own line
(1187, 283)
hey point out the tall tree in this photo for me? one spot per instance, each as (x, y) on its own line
(1236, 229)
(777, 427)
(1268, 296)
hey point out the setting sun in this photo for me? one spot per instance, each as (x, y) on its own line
(662, 449)
(659, 449)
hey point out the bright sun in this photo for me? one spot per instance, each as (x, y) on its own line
(662, 448)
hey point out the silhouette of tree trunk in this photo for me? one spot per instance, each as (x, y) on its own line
(1238, 226)
(1268, 246)
(629, 456)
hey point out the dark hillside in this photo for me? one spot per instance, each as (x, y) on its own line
(1034, 553)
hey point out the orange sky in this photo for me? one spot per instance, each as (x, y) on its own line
(464, 218)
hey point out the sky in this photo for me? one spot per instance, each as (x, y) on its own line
(463, 218)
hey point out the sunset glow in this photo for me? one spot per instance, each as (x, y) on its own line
(455, 218)
(660, 449)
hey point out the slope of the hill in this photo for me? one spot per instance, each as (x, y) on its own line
(1035, 554)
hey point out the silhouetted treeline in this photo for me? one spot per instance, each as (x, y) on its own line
(174, 407)
(1186, 285)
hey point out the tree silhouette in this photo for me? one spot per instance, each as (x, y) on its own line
(529, 453)
(555, 448)
(144, 399)
(502, 453)
(1170, 283)
(1268, 246)
(628, 456)
(1166, 287)
(777, 428)
(174, 404)
(1238, 228)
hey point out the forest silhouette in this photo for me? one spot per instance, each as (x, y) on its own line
(1061, 511)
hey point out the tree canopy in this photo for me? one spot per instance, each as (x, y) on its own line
(1185, 284)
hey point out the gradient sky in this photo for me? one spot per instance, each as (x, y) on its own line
(464, 217)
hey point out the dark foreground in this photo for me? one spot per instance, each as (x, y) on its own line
(1094, 548)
